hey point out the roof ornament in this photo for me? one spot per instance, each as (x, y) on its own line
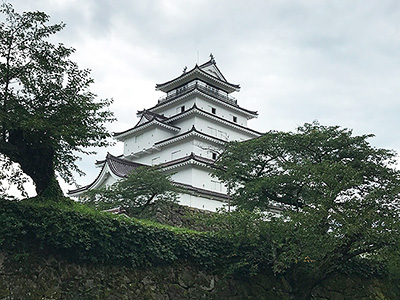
(184, 69)
(212, 58)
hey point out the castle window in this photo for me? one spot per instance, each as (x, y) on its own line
(213, 110)
(214, 155)
(180, 109)
(234, 119)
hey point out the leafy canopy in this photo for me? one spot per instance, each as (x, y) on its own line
(339, 199)
(305, 168)
(48, 114)
(141, 187)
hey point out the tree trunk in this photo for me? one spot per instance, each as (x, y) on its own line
(36, 160)
(302, 282)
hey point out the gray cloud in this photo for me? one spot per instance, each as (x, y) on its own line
(297, 61)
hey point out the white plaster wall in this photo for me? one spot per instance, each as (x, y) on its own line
(110, 180)
(175, 108)
(145, 139)
(220, 130)
(202, 124)
(183, 175)
(201, 203)
(220, 110)
(186, 123)
(205, 104)
(197, 176)
(204, 148)
(167, 153)
(180, 149)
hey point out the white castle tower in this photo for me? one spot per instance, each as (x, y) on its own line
(183, 134)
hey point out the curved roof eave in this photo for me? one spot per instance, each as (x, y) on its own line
(195, 72)
(249, 113)
(154, 121)
(113, 166)
(101, 177)
(194, 108)
(191, 132)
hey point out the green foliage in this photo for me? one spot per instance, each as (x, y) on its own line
(81, 234)
(340, 197)
(315, 164)
(48, 114)
(142, 187)
(248, 232)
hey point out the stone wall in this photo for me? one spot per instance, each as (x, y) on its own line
(32, 277)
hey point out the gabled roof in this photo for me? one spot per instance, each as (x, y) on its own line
(212, 75)
(118, 167)
(154, 121)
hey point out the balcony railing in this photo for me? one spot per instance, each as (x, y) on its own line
(201, 86)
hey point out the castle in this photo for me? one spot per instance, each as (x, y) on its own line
(183, 134)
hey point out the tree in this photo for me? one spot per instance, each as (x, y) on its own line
(141, 187)
(48, 114)
(338, 195)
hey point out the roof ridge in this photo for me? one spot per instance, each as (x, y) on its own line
(199, 69)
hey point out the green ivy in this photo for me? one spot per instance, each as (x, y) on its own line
(81, 234)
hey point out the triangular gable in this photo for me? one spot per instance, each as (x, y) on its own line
(144, 119)
(147, 116)
(212, 69)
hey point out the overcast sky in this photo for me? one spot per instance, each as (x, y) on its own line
(337, 62)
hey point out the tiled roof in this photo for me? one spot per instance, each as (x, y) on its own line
(191, 157)
(195, 108)
(188, 133)
(153, 121)
(199, 70)
(201, 192)
(202, 91)
(121, 167)
(149, 115)
(118, 166)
